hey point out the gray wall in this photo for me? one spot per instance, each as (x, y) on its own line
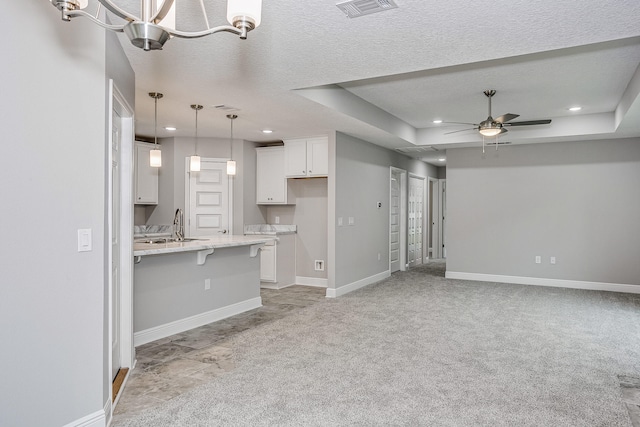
(51, 296)
(171, 287)
(361, 180)
(309, 214)
(577, 201)
(171, 179)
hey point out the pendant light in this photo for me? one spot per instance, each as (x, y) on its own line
(194, 164)
(155, 155)
(231, 164)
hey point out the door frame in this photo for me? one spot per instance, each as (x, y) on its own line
(425, 184)
(187, 176)
(127, 351)
(403, 217)
(436, 235)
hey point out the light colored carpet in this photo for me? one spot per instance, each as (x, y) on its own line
(421, 350)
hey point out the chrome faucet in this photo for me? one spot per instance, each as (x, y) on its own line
(178, 225)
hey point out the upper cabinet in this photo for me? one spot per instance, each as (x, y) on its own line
(146, 176)
(271, 185)
(306, 157)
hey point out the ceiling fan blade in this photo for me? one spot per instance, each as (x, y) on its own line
(461, 130)
(506, 117)
(529, 123)
(460, 123)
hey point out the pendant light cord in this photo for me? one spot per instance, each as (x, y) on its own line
(155, 124)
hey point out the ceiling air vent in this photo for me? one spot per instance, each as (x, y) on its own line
(227, 108)
(356, 8)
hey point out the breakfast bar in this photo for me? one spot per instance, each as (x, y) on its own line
(180, 285)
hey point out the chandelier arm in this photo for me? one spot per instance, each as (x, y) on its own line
(76, 13)
(117, 11)
(204, 13)
(162, 11)
(196, 34)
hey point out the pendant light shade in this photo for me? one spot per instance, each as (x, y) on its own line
(231, 167)
(231, 164)
(249, 11)
(194, 164)
(155, 155)
(155, 158)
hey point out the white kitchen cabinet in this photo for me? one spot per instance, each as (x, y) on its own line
(277, 262)
(146, 177)
(271, 185)
(306, 157)
(268, 262)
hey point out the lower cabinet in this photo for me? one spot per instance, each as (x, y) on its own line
(278, 263)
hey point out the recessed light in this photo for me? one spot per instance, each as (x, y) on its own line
(169, 128)
(267, 131)
(437, 122)
(441, 160)
(575, 108)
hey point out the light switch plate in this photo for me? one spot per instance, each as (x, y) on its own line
(84, 240)
(352, 220)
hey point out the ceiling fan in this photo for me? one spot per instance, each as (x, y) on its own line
(495, 127)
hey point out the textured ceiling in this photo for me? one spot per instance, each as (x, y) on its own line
(385, 77)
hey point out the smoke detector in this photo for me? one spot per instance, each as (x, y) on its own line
(356, 8)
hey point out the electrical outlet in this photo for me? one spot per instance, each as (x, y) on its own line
(207, 284)
(319, 265)
(277, 220)
(552, 260)
(538, 259)
(378, 256)
(339, 221)
(352, 220)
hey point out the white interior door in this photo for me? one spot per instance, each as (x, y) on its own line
(416, 218)
(434, 219)
(116, 133)
(209, 204)
(394, 222)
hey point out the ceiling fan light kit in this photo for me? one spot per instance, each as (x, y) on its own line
(146, 33)
(494, 127)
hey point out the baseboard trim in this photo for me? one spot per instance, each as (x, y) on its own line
(336, 292)
(97, 419)
(538, 281)
(162, 331)
(312, 281)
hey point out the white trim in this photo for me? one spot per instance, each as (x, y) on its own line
(171, 328)
(336, 292)
(312, 281)
(108, 408)
(539, 281)
(96, 419)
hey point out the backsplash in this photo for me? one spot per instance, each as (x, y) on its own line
(152, 230)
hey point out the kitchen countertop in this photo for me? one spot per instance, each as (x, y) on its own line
(204, 243)
(269, 229)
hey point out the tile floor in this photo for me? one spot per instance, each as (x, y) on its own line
(630, 390)
(173, 365)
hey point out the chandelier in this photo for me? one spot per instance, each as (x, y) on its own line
(146, 31)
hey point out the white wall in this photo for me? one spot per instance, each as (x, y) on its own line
(361, 180)
(576, 201)
(53, 179)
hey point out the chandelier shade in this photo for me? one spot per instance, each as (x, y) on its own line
(146, 32)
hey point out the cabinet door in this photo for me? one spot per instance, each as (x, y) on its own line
(268, 263)
(270, 180)
(295, 154)
(146, 176)
(318, 157)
